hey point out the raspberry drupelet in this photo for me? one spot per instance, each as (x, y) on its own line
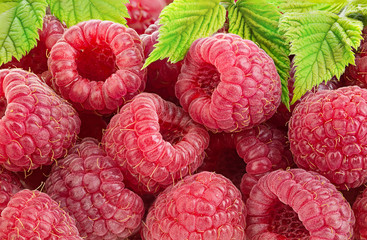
(297, 205)
(96, 65)
(360, 211)
(228, 83)
(205, 205)
(34, 215)
(155, 143)
(37, 126)
(9, 185)
(89, 186)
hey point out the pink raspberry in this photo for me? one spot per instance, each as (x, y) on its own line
(297, 205)
(97, 65)
(327, 134)
(34, 215)
(89, 185)
(228, 84)
(37, 126)
(155, 142)
(161, 74)
(143, 13)
(9, 185)
(360, 211)
(202, 206)
(36, 59)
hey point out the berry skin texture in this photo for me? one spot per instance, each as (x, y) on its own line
(37, 126)
(228, 84)
(202, 206)
(9, 185)
(89, 185)
(34, 215)
(360, 211)
(327, 134)
(297, 205)
(155, 143)
(96, 65)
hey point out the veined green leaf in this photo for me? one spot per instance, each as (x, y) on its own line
(258, 21)
(184, 21)
(322, 43)
(302, 6)
(75, 11)
(19, 24)
(357, 10)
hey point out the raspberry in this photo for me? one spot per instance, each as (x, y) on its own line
(228, 84)
(202, 206)
(38, 126)
(297, 205)
(356, 74)
(143, 13)
(36, 59)
(161, 74)
(97, 65)
(360, 211)
(9, 185)
(155, 142)
(89, 185)
(264, 148)
(34, 215)
(327, 134)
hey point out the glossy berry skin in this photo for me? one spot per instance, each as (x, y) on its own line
(34, 215)
(143, 13)
(9, 185)
(205, 205)
(37, 126)
(327, 134)
(89, 185)
(360, 211)
(228, 83)
(97, 65)
(297, 205)
(155, 143)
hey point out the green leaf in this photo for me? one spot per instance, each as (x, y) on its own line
(302, 6)
(258, 21)
(357, 10)
(184, 21)
(19, 24)
(75, 11)
(322, 43)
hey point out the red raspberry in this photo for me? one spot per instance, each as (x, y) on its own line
(297, 205)
(202, 206)
(228, 84)
(36, 59)
(327, 134)
(356, 74)
(97, 65)
(89, 185)
(143, 13)
(38, 126)
(9, 185)
(161, 74)
(155, 142)
(360, 211)
(34, 215)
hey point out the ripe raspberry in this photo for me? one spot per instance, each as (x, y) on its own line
(297, 205)
(89, 185)
(34, 215)
(36, 59)
(357, 74)
(264, 148)
(228, 84)
(202, 206)
(360, 211)
(155, 142)
(161, 74)
(143, 13)
(9, 185)
(38, 126)
(222, 158)
(327, 134)
(97, 65)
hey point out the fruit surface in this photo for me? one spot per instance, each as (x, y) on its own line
(9, 185)
(360, 211)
